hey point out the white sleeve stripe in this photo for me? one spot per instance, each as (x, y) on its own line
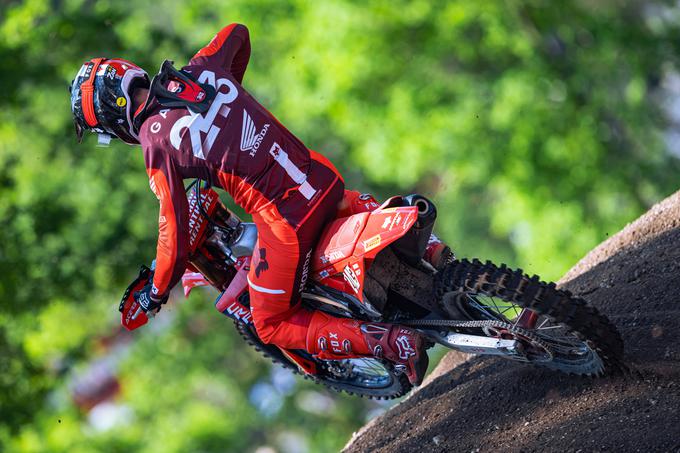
(307, 190)
(262, 289)
(281, 157)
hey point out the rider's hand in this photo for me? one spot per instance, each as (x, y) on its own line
(148, 301)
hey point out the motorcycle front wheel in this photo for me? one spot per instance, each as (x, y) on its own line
(366, 377)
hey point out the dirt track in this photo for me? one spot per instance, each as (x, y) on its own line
(472, 404)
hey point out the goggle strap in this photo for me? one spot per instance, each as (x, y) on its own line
(87, 93)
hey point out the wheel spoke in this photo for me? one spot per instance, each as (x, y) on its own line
(549, 327)
(363, 371)
(564, 344)
(490, 306)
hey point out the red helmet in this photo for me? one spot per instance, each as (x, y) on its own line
(101, 98)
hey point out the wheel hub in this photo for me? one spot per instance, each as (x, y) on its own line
(532, 348)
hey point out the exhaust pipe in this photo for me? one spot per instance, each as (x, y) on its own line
(411, 246)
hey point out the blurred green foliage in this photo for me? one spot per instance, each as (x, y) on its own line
(536, 126)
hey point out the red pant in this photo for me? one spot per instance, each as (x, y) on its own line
(279, 270)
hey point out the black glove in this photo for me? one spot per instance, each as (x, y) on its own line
(148, 301)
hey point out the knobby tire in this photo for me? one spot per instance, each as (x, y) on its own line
(562, 307)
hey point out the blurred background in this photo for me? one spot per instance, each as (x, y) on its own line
(538, 127)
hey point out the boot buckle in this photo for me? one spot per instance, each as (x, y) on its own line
(399, 368)
(347, 346)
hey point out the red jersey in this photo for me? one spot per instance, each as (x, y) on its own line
(237, 144)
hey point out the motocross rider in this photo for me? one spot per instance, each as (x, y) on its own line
(201, 123)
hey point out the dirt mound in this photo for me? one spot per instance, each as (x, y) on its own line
(486, 404)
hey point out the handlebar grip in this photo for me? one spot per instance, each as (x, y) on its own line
(149, 314)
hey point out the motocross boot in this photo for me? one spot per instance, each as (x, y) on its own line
(437, 253)
(400, 345)
(331, 338)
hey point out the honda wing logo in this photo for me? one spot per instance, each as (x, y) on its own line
(250, 138)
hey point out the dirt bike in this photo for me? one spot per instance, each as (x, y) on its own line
(369, 267)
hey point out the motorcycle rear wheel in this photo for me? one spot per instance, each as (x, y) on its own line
(580, 340)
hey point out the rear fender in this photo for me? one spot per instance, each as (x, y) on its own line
(384, 226)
